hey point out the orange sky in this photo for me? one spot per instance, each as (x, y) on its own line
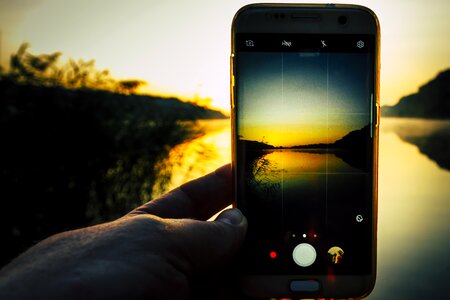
(293, 100)
(182, 47)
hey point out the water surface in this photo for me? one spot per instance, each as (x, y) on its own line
(413, 208)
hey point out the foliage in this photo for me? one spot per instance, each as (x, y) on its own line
(72, 158)
(76, 151)
(45, 70)
(129, 86)
(263, 180)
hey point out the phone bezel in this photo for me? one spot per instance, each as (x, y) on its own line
(254, 18)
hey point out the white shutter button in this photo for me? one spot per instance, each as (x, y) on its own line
(304, 255)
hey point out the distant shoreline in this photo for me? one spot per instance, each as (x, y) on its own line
(432, 101)
(414, 118)
(304, 150)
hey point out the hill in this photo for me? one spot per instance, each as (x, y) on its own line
(431, 101)
(355, 140)
(92, 154)
(60, 98)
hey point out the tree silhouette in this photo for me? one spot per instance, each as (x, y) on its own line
(45, 70)
(32, 69)
(129, 86)
(69, 139)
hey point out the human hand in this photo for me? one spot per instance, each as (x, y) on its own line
(157, 251)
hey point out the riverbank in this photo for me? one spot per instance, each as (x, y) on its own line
(77, 157)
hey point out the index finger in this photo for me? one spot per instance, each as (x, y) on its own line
(198, 199)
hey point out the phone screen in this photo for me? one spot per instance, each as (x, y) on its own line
(305, 123)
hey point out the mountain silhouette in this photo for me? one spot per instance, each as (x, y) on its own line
(431, 101)
(354, 148)
(354, 140)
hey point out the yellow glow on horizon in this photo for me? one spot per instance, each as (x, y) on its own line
(294, 134)
(282, 136)
(207, 153)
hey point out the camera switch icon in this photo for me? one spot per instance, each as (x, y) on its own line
(359, 218)
(249, 43)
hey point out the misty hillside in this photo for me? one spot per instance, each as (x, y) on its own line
(431, 101)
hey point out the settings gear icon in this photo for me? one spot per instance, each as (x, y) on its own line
(360, 44)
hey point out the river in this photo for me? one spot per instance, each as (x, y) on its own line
(413, 206)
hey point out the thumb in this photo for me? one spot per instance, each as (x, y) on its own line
(208, 245)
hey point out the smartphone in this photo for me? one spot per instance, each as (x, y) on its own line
(305, 115)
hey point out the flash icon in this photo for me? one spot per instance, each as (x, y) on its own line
(286, 43)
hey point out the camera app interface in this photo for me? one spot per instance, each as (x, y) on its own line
(305, 139)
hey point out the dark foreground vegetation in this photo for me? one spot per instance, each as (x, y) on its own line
(75, 151)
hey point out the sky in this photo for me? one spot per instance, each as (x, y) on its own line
(323, 97)
(182, 48)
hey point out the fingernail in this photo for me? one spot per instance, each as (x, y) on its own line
(232, 216)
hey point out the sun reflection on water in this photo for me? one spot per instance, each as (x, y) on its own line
(413, 214)
(199, 156)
